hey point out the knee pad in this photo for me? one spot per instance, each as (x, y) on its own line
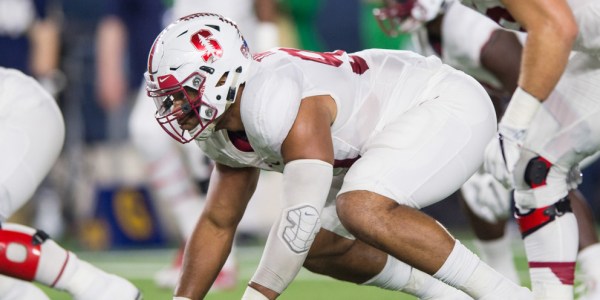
(535, 219)
(20, 252)
(536, 172)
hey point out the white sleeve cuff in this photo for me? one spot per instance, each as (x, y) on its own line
(520, 110)
(252, 294)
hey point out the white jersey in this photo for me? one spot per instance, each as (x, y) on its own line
(369, 87)
(463, 51)
(457, 49)
(586, 12)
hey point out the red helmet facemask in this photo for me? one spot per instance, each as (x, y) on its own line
(392, 16)
(178, 102)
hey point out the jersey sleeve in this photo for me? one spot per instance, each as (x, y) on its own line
(219, 149)
(270, 106)
(460, 50)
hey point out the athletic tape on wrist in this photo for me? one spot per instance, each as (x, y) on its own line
(252, 294)
(520, 110)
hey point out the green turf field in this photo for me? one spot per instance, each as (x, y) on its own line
(139, 267)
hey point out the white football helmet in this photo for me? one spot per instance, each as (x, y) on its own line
(195, 68)
(403, 16)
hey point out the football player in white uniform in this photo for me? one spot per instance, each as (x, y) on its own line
(363, 141)
(491, 55)
(32, 129)
(172, 170)
(544, 135)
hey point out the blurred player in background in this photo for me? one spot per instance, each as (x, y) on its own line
(563, 130)
(30, 42)
(29, 39)
(179, 174)
(302, 113)
(33, 130)
(491, 55)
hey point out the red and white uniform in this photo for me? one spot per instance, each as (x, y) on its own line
(32, 131)
(408, 127)
(564, 131)
(169, 162)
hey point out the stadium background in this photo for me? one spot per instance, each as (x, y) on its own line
(97, 201)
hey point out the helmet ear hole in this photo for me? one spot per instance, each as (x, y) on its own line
(222, 79)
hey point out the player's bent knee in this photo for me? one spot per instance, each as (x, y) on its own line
(359, 211)
(347, 209)
(20, 251)
(535, 219)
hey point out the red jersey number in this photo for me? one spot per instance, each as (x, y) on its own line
(357, 63)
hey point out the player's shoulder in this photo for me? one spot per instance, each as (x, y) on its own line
(270, 102)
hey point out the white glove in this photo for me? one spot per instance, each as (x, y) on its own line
(486, 197)
(502, 154)
(500, 158)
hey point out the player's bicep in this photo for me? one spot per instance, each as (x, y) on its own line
(310, 135)
(542, 14)
(229, 191)
(501, 56)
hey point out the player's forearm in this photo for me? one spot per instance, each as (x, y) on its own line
(551, 33)
(306, 184)
(205, 254)
(46, 47)
(545, 56)
(228, 194)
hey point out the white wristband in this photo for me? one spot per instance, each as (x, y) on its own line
(520, 110)
(181, 298)
(252, 294)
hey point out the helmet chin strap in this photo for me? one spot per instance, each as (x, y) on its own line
(210, 128)
(233, 87)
